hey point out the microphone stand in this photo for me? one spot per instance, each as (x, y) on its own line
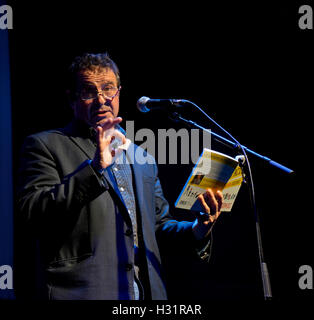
(235, 145)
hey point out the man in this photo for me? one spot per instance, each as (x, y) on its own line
(96, 219)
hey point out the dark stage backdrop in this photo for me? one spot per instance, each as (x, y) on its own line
(248, 65)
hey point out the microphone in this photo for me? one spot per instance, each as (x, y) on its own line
(146, 104)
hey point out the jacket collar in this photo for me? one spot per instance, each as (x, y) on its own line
(82, 136)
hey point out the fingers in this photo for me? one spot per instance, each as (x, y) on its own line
(107, 133)
(99, 134)
(219, 198)
(119, 135)
(108, 123)
(211, 201)
(204, 204)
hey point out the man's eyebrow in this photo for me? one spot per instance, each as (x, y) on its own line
(108, 82)
(92, 84)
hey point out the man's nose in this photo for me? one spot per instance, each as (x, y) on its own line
(102, 99)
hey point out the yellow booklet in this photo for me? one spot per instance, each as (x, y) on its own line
(213, 170)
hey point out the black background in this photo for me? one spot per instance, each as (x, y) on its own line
(247, 64)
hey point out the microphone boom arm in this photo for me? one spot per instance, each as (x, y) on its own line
(235, 146)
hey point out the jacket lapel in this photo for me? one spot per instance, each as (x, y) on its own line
(78, 133)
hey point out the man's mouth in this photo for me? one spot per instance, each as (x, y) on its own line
(101, 113)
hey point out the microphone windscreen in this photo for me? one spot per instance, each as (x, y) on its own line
(141, 104)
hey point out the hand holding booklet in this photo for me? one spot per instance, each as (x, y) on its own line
(216, 171)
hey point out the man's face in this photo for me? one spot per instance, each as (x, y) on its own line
(94, 111)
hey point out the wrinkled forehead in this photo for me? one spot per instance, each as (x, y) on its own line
(96, 76)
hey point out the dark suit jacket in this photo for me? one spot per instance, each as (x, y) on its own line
(82, 226)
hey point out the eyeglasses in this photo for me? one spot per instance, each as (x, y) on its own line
(108, 92)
